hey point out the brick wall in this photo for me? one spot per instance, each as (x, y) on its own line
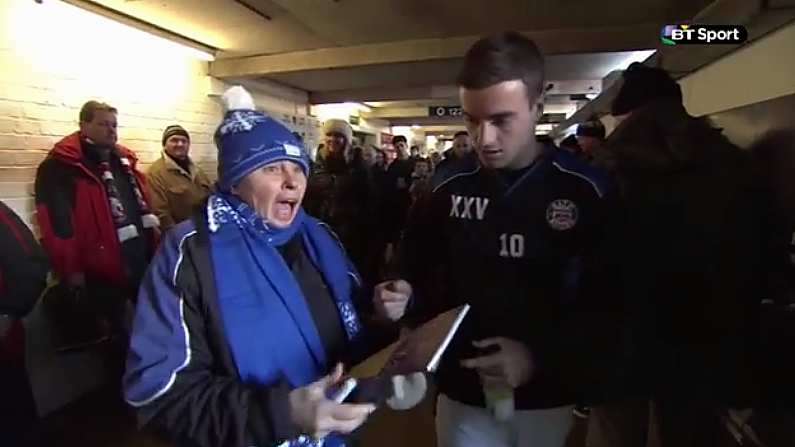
(42, 89)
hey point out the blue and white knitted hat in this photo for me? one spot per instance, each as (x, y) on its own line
(248, 139)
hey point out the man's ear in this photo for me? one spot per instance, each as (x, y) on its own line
(540, 106)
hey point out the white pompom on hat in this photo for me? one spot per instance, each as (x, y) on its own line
(237, 98)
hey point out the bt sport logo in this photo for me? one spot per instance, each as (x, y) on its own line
(703, 34)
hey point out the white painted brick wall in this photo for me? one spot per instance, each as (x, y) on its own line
(39, 107)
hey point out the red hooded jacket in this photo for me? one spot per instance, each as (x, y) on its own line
(77, 229)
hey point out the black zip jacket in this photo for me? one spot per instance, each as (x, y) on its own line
(528, 251)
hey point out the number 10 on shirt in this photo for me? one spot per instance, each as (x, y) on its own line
(511, 245)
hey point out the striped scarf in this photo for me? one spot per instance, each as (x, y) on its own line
(125, 228)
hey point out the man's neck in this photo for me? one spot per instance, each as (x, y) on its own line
(179, 159)
(532, 152)
(85, 138)
(95, 151)
(183, 163)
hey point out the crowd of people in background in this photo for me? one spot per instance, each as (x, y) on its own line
(366, 193)
(642, 252)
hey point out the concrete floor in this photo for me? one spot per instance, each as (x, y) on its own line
(99, 421)
(102, 421)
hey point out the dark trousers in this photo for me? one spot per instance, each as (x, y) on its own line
(660, 422)
(18, 415)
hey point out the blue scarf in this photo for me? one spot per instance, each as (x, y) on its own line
(268, 325)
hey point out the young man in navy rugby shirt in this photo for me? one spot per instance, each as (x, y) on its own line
(520, 237)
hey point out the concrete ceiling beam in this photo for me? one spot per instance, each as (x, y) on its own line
(442, 92)
(427, 121)
(384, 94)
(441, 129)
(395, 112)
(574, 87)
(560, 41)
(391, 113)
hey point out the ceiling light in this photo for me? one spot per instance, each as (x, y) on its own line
(340, 110)
(130, 26)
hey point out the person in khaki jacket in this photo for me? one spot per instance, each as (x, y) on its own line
(176, 184)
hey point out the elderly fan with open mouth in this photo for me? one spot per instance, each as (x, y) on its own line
(248, 307)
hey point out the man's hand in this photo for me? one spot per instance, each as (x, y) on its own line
(390, 299)
(512, 365)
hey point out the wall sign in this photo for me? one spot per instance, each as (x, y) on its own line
(445, 111)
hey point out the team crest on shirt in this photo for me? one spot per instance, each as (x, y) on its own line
(562, 214)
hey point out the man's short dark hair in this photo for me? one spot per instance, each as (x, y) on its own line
(461, 133)
(398, 138)
(571, 143)
(90, 109)
(503, 57)
(643, 85)
(591, 128)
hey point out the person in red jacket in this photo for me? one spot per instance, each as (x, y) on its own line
(23, 275)
(95, 220)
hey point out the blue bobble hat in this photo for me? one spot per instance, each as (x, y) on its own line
(248, 140)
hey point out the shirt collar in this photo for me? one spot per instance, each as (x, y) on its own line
(173, 166)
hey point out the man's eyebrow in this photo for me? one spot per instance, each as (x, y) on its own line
(495, 116)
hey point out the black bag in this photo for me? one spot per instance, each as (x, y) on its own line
(77, 321)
